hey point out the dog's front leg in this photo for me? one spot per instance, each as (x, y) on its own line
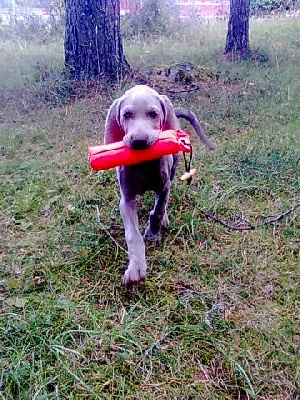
(158, 216)
(136, 270)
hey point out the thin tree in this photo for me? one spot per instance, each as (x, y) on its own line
(237, 39)
(93, 45)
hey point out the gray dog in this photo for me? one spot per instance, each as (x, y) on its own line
(138, 117)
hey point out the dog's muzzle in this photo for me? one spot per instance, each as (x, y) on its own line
(140, 141)
(139, 144)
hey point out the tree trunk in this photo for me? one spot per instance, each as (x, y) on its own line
(237, 40)
(93, 46)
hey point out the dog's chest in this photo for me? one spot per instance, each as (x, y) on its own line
(140, 178)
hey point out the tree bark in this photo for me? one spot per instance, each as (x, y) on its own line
(237, 40)
(93, 45)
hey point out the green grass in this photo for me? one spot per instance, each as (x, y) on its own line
(68, 330)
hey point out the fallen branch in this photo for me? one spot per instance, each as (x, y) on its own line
(244, 225)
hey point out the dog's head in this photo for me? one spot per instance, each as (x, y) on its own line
(138, 117)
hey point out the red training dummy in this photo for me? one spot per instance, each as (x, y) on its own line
(118, 154)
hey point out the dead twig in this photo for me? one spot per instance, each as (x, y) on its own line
(187, 90)
(156, 346)
(107, 231)
(217, 308)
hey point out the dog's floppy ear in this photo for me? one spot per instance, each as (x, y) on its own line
(113, 131)
(170, 119)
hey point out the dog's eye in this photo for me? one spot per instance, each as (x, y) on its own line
(153, 114)
(127, 115)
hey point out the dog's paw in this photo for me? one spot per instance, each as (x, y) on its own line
(165, 222)
(153, 229)
(150, 236)
(134, 275)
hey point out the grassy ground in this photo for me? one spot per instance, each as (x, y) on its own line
(68, 330)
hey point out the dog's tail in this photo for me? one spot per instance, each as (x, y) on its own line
(192, 119)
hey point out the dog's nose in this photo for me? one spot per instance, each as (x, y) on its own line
(139, 144)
